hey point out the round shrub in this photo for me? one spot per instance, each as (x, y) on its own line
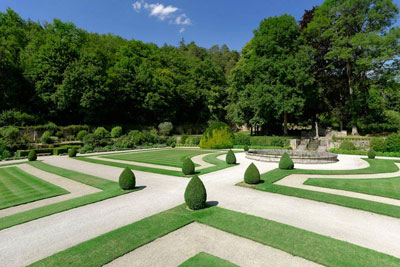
(127, 180)
(32, 155)
(392, 143)
(378, 144)
(72, 152)
(116, 132)
(173, 145)
(347, 145)
(81, 134)
(195, 194)
(188, 167)
(230, 157)
(252, 175)
(246, 148)
(371, 153)
(46, 138)
(218, 135)
(286, 163)
(101, 132)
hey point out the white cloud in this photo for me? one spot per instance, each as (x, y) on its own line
(137, 6)
(183, 20)
(173, 14)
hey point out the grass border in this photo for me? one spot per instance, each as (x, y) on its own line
(110, 189)
(298, 242)
(376, 166)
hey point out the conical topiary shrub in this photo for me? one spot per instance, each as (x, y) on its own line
(188, 167)
(246, 148)
(127, 179)
(72, 152)
(252, 175)
(230, 157)
(286, 163)
(371, 153)
(195, 194)
(32, 155)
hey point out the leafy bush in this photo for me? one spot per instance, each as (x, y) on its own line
(230, 157)
(378, 144)
(347, 145)
(123, 142)
(46, 138)
(32, 155)
(188, 167)
(136, 137)
(127, 180)
(241, 139)
(73, 130)
(371, 153)
(195, 194)
(165, 128)
(72, 152)
(5, 154)
(93, 140)
(59, 134)
(218, 135)
(81, 134)
(183, 138)
(173, 145)
(116, 132)
(246, 148)
(11, 134)
(170, 141)
(101, 132)
(252, 175)
(392, 143)
(286, 163)
(13, 117)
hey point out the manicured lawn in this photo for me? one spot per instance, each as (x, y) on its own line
(18, 187)
(167, 157)
(314, 247)
(376, 166)
(384, 187)
(205, 259)
(110, 189)
(212, 158)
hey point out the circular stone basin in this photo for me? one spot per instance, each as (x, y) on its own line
(298, 156)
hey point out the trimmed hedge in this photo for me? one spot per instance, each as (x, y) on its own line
(347, 145)
(252, 175)
(195, 194)
(53, 151)
(241, 139)
(72, 152)
(286, 163)
(127, 180)
(218, 135)
(32, 155)
(188, 167)
(230, 157)
(371, 153)
(269, 141)
(392, 143)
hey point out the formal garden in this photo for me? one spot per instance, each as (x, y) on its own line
(116, 152)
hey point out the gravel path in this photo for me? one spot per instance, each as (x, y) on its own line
(76, 190)
(182, 244)
(29, 242)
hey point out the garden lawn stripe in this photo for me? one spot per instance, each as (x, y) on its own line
(205, 259)
(311, 246)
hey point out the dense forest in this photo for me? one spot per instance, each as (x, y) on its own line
(338, 66)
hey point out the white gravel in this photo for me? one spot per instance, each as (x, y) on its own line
(27, 243)
(182, 244)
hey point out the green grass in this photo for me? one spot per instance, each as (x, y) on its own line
(383, 187)
(311, 246)
(110, 189)
(212, 158)
(205, 259)
(167, 157)
(376, 166)
(18, 187)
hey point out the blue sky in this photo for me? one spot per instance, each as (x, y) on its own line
(207, 22)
